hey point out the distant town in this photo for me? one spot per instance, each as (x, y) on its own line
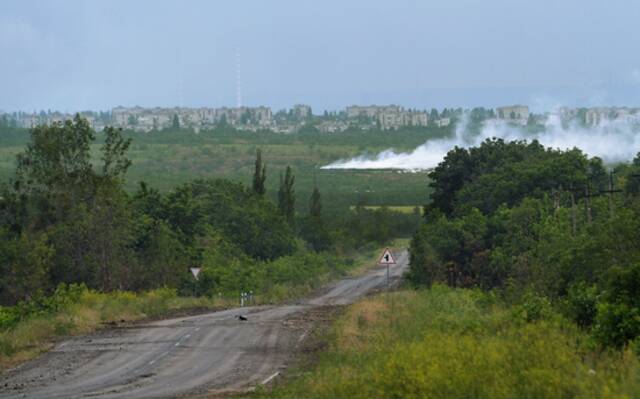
(300, 116)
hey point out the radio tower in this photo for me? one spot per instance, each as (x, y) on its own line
(238, 81)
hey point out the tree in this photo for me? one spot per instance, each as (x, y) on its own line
(249, 221)
(25, 261)
(175, 122)
(259, 175)
(287, 196)
(83, 210)
(54, 174)
(313, 229)
(114, 150)
(94, 246)
(315, 204)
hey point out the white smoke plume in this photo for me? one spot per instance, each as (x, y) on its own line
(612, 140)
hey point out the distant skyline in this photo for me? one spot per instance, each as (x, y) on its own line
(94, 55)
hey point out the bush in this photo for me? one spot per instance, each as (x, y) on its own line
(533, 308)
(581, 304)
(618, 318)
(64, 296)
(616, 324)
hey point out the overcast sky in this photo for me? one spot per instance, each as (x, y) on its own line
(75, 55)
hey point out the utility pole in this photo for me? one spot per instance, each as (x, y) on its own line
(587, 201)
(610, 191)
(573, 214)
(556, 199)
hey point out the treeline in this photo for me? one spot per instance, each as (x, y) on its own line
(65, 218)
(544, 227)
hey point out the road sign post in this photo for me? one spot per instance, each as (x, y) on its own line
(195, 271)
(387, 260)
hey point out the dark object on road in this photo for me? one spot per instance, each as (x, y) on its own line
(241, 317)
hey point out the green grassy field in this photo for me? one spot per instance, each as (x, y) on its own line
(400, 208)
(447, 343)
(166, 159)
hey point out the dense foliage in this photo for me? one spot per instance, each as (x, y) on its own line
(516, 216)
(65, 218)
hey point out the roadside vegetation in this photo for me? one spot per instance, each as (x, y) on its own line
(77, 250)
(459, 343)
(31, 327)
(525, 283)
(536, 223)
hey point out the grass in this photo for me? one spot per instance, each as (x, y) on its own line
(445, 343)
(408, 209)
(92, 311)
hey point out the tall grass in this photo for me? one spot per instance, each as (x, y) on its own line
(446, 343)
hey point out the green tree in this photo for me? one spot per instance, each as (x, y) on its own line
(259, 175)
(315, 204)
(313, 228)
(175, 122)
(287, 196)
(95, 245)
(618, 319)
(251, 222)
(84, 211)
(25, 262)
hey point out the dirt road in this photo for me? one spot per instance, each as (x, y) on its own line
(183, 357)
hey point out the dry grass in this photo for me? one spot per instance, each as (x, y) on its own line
(355, 327)
(94, 310)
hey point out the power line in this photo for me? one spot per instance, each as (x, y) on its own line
(610, 191)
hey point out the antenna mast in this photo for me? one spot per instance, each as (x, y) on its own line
(238, 81)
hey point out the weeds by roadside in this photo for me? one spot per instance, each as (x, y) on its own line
(446, 343)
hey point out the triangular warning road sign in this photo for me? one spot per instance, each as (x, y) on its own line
(195, 271)
(387, 258)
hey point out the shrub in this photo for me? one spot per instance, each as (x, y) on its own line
(618, 318)
(533, 308)
(581, 304)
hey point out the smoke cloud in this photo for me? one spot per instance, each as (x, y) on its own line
(612, 140)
